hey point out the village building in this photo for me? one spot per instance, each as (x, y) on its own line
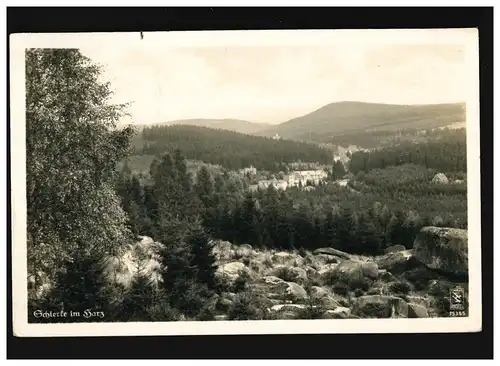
(306, 176)
(251, 170)
(277, 184)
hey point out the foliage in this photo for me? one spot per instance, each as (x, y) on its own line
(74, 217)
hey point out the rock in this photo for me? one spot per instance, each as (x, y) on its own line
(323, 297)
(395, 248)
(443, 249)
(379, 306)
(288, 259)
(231, 270)
(295, 291)
(417, 311)
(397, 262)
(349, 273)
(310, 271)
(338, 313)
(440, 178)
(386, 276)
(292, 274)
(245, 250)
(418, 300)
(370, 270)
(287, 307)
(318, 292)
(331, 251)
(300, 273)
(326, 259)
(143, 254)
(272, 280)
(327, 268)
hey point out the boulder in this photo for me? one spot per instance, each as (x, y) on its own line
(440, 178)
(143, 254)
(379, 306)
(327, 268)
(397, 262)
(295, 291)
(395, 248)
(338, 313)
(300, 273)
(370, 270)
(231, 270)
(417, 311)
(326, 259)
(331, 251)
(443, 249)
(352, 274)
(272, 280)
(323, 297)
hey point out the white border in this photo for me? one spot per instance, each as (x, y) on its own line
(467, 37)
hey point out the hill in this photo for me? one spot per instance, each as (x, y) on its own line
(229, 149)
(236, 125)
(346, 117)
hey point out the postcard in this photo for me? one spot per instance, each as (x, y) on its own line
(245, 182)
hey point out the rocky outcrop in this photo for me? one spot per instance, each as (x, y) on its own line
(397, 262)
(334, 252)
(353, 274)
(440, 178)
(231, 271)
(443, 249)
(143, 254)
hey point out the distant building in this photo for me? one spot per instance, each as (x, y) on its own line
(276, 137)
(277, 184)
(304, 176)
(251, 170)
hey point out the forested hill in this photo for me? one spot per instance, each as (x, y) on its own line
(342, 117)
(226, 148)
(236, 125)
(445, 151)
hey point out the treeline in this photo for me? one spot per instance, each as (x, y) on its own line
(384, 138)
(226, 148)
(445, 155)
(328, 216)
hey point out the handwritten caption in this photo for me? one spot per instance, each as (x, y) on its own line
(88, 313)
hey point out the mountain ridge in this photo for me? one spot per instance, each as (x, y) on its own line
(347, 116)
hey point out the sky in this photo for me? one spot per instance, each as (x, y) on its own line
(272, 83)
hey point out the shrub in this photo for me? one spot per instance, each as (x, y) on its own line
(245, 307)
(241, 282)
(358, 292)
(400, 288)
(341, 289)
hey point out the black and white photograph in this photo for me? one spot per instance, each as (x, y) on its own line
(245, 182)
